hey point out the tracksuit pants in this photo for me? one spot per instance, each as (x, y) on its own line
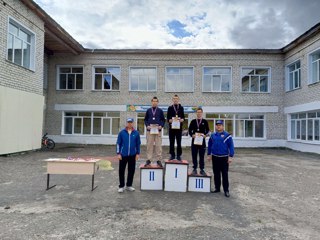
(131, 161)
(220, 168)
(195, 150)
(175, 134)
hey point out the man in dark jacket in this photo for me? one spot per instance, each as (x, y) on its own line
(128, 150)
(175, 117)
(154, 121)
(221, 148)
(198, 128)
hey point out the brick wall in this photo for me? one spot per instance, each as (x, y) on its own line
(12, 75)
(275, 122)
(307, 93)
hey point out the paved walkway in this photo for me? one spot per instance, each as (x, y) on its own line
(275, 194)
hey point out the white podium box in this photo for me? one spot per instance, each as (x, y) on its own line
(151, 177)
(176, 175)
(199, 183)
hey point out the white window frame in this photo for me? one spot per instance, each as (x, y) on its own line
(32, 43)
(91, 117)
(310, 73)
(144, 67)
(230, 83)
(288, 75)
(93, 78)
(58, 67)
(256, 67)
(234, 119)
(166, 85)
(302, 120)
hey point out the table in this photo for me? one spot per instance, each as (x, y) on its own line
(81, 166)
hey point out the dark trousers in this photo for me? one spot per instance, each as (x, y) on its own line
(195, 150)
(131, 161)
(220, 168)
(173, 135)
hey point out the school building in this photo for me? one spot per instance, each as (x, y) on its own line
(51, 83)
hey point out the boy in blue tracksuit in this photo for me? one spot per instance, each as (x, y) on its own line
(221, 148)
(128, 151)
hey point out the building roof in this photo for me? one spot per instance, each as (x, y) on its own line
(56, 39)
(302, 38)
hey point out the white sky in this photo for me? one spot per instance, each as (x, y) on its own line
(187, 24)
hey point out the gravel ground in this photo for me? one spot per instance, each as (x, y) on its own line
(275, 194)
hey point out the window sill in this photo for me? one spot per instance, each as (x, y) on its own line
(179, 91)
(314, 83)
(292, 90)
(216, 91)
(255, 92)
(316, 142)
(69, 90)
(142, 90)
(94, 90)
(28, 69)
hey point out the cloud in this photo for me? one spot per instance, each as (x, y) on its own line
(183, 23)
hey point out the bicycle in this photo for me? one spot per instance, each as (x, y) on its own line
(47, 143)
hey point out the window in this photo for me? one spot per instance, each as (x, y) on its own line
(179, 79)
(20, 45)
(106, 78)
(314, 67)
(185, 125)
(255, 80)
(70, 77)
(91, 123)
(140, 124)
(227, 118)
(143, 79)
(249, 126)
(293, 76)
(305, 126)
(216, 79)
(239, 125)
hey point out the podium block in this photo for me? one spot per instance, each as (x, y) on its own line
(199, 183)
(176, 176)
(151, 177)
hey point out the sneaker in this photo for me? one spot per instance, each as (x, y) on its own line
(171, 158)
(203, 173)
(148, 163)
(194, 172)
(159, 163)
(130, 189)
(179, 158)
(120, 190)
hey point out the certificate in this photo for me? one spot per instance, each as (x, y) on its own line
(154, 129)
(198, 140)
(175, 123)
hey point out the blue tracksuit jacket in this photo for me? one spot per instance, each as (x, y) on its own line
(221, 144)
(128, 144)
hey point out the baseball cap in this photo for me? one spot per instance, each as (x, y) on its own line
(130, 120)
(219, 122)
